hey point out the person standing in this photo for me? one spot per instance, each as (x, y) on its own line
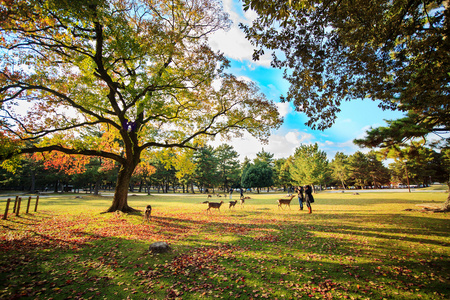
(231, 193)
(300, 196)
(309, 197)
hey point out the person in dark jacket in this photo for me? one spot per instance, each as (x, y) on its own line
(300, 196)
(309, 197)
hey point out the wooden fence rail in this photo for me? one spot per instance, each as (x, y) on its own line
(17, 203)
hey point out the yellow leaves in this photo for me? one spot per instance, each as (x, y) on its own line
(110, 141)
(11, 165)
(184, 164)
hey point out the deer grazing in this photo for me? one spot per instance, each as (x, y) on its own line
(286, 202)
(213, 205)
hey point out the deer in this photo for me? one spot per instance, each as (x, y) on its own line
(232, 204)
(213, 205)
(148, 213)
(286, 202)
(242, 201)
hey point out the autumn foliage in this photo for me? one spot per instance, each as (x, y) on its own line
(345, 250)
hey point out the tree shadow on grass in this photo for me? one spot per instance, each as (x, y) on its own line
(323, 255)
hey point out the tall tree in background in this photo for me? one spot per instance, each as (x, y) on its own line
(309, 166)
(340, 168)
(377, 173)
(266, 158)
(359, 169)
(144, 171)
(142, 70)
(205, 167)
(185, 167)
(404, 141)
(165, 173)
(257, 175)
(412, 159)
(227, 166)
(282, 176)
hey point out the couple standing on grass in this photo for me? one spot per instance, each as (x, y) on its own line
(308, 198)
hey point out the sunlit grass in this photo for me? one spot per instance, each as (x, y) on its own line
(362, 246)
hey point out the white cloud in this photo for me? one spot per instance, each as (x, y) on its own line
(281, 145)
(283, 108)
(233, 42)
(331, 148)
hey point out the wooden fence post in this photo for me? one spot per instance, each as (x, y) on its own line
(37, 200)
(15, 204)
(6, 209)
(28, 205)
(18, 206)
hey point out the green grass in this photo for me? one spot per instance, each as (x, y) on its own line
(437, 187)
(352, 247)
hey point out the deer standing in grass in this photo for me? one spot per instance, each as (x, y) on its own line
(286, 202)
(242, 201)
(232, 204)
(213, 205)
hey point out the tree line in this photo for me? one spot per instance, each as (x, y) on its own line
(147, 77)
(212, 170)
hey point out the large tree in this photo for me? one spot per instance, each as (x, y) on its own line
(282, 176)
(206, 172)
(141, 70)
(334, 51)
(227, 166)
(340, 168)
(257, 175)
(309, 166)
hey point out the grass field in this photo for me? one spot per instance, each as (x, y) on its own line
(352, 247)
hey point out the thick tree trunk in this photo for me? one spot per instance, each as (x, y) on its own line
(96, 187)
(33, 181)
(148, 188)
(446, 206)
(407, 178)
(120, 201)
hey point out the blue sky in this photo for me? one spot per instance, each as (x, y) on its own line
(354, 119)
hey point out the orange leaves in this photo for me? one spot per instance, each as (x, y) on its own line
(62, 231)
(69, 164)
(144, 169)
(267, 238)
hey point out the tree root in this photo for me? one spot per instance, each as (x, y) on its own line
(127, 210)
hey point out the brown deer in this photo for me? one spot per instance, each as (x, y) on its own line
(148, 213)
(286, 202)
(232, 204)
(213, 205)
(242, 201)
